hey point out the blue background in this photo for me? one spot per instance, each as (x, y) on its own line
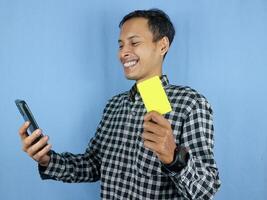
(61, 57)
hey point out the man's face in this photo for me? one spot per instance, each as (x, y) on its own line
(140, 56)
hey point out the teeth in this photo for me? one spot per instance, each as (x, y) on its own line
(130, 63)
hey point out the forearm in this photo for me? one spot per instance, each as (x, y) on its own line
(68, 167)
(196, 180)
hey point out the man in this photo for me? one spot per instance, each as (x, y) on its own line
(135, 154)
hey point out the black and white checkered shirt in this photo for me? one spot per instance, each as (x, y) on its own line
(127, 170)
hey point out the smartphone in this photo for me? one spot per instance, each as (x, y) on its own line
(27, 116)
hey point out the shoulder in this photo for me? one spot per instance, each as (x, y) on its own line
(186, 98)
(117, 100)
(185, 93)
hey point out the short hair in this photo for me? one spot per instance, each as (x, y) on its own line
(159, 23)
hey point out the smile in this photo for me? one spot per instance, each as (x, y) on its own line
(130, 63)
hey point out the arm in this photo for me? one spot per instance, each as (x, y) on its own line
(199, 178)
(68, 167)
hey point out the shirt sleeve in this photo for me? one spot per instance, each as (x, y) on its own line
(68, 167)
(199, 179)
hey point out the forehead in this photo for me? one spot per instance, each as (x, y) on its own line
(135, 27)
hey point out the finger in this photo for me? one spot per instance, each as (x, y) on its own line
(43, 152)
(148, 116)
(151, 137)
(155, 128)
(28, 141)
(23, 130)
(38, 146)
(152, 146)
(157, 118)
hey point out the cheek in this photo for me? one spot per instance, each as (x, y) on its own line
(143, 54)
(148, 59)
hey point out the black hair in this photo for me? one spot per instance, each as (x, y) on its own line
(159, 23)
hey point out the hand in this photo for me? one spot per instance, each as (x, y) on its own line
(37, 151)
(158, 136)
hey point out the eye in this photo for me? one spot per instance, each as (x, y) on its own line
(135, 43)
(120, 46)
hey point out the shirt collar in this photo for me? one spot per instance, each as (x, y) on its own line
(133, 91)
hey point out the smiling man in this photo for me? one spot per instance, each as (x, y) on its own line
(135, 154)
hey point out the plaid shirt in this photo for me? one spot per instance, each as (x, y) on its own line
(116, 154)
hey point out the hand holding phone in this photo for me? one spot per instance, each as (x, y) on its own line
(27, 116)
(35, 144)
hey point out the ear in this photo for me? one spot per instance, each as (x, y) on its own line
(164, 45)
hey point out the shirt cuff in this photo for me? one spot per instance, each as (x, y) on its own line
(50, 172)
(186, 176)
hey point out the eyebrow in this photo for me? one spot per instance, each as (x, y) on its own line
(129, 38)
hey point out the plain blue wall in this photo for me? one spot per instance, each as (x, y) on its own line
(60, 56)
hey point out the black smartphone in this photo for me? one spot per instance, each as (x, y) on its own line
(27, 116)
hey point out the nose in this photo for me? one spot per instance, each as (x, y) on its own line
(125, 52)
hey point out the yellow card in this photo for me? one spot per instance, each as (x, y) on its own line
(154, 96)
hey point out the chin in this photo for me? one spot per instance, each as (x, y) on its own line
(130, 78)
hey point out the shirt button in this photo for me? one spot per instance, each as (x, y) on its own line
(133, 113)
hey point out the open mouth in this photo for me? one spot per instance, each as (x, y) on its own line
(130, 63)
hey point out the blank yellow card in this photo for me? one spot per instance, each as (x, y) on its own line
(154, 96)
